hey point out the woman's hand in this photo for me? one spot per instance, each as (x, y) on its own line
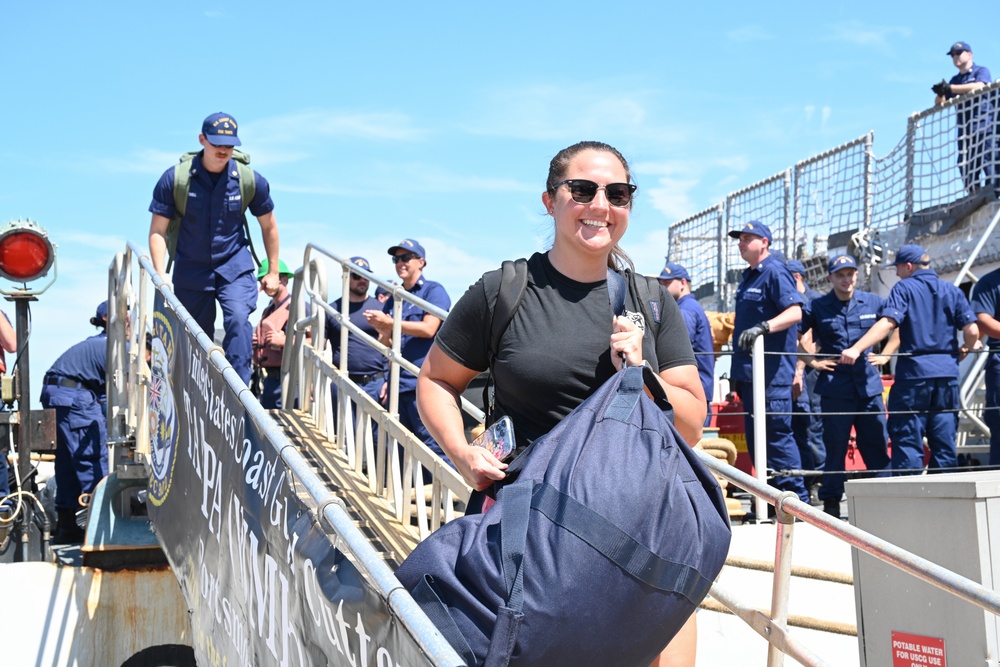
(479, 468)
(626, 338)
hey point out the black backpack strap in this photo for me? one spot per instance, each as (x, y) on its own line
(508, 284)
(646, 293)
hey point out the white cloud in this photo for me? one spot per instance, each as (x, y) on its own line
(855, 32)
(146, 161)
(560, 113)
(287, 129)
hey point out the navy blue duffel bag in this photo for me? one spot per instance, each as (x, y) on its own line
(597, 554)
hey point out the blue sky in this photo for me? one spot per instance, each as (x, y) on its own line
(379, 121)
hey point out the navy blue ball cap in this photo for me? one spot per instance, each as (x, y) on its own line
(910, 254)
(795, 266)
(220, 130)
(673, 271)
(362, 262)
(409, 245)
(100, 318)
(841, 262)
(958, 47)
(753, 227)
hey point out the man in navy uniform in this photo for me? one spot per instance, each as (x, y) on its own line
(767, 304)
(212, 262)
(75, 387)
(924, 396)
(365, 365)
(986, 306)
(851, 396)
(974, 121)
(676, 280)
(418, 330)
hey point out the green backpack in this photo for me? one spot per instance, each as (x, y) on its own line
(182, 186)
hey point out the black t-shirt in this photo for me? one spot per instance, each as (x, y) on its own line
(557, 350)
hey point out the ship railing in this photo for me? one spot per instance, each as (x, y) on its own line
(399, 467)
(773, 627)
(130, 317)
(843, 199)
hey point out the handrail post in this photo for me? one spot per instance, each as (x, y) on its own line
(781, 582)
(759, 423)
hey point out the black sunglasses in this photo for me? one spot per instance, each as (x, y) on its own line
(405, 257)
(583, 191)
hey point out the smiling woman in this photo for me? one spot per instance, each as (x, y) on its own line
(564, 340)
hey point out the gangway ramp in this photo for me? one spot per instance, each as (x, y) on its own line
(371, 512)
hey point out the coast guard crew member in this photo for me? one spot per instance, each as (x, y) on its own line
(767, 304)
(927, 311)
(851, 396)
(212, 262)
(677, 282)
(986, 306)
(975, 121)
(365, 366)
(269, 336)
(418, 330)
(75, 386)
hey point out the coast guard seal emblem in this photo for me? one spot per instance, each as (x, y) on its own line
(162, 411)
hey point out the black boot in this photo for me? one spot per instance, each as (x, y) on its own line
(832, 507)
(67, 530)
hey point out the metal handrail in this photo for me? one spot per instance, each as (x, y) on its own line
(338, 523)
(397, 476)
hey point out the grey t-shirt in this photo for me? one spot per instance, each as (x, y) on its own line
(556, 351)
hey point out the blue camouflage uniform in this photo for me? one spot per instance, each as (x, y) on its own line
(986, 299)
(75, 387)
(414, 349)
(765, 292)
(212, 262)
(853, 389)
(928, 312)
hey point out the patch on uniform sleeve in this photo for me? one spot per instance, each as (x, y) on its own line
(654, 308)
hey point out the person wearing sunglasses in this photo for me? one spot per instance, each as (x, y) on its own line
(418, 330)
(211, 259)
(564, 341)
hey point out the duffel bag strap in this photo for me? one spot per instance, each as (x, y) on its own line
(627, 396)
(513, 535)
(425, 594)
(516, 507)
(620, 548)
